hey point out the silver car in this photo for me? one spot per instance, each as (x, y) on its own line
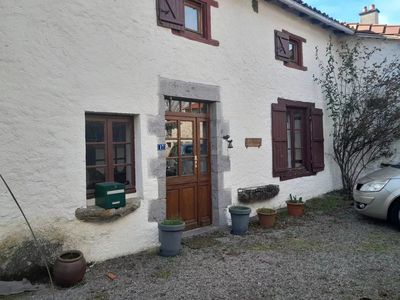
(378, 194)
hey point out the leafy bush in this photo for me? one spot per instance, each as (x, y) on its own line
(295, 199)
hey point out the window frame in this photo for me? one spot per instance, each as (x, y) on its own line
(291, 173)
(298, 62)
(200, 17)
(205, 35)
(108, 119)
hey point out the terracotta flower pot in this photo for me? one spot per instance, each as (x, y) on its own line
(69, 268)
(295, 209)
(266, 217)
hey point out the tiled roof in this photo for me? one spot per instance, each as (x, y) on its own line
(317, 11)
(392, 30)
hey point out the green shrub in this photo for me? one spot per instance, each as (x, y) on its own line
(295, 199)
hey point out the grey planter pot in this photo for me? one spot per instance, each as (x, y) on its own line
(170, 237)
(240, 219)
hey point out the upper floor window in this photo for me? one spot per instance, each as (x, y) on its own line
(188, 18)
(109, 151)
(289, 49)
(297, 139)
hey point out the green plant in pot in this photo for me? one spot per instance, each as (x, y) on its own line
(266, 217)
(240, 219)
(170, 236)
(295, 206)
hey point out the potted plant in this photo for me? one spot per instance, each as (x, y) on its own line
(69, 268)
(295, 206)
(170, 236)
(266, 217)
(240, 219)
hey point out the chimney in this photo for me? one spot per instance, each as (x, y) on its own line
(369, 16)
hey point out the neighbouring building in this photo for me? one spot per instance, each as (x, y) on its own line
(154, 94)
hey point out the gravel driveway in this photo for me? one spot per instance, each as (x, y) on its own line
(331, 253)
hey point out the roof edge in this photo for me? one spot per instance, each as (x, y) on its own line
(296, 5)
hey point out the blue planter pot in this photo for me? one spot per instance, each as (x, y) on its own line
(170, 237)
(240, 219)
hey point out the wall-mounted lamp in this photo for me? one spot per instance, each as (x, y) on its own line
(229, 140)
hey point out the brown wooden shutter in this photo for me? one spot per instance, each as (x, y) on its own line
(279, 140)
(171, 14)
(281, 45)
(317, 140)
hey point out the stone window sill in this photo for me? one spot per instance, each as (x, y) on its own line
(98, 214)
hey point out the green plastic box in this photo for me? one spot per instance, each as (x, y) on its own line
(110, 195)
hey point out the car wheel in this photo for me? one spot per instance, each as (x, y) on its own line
(394, 214)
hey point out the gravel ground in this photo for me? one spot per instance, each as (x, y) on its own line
(331, 253)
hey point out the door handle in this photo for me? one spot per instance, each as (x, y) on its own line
(195, 162)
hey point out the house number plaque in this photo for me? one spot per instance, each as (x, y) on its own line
(253, 142)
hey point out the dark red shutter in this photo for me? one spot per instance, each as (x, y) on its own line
(317, 140)
(171, 14)
(279, 140)
(281, 45)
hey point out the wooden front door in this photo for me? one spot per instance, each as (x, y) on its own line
(188, 163)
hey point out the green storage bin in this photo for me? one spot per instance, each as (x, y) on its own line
(110, 195)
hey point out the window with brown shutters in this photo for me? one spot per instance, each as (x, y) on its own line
(297, 139)
(171, 14)
(289, 49)
(190, 19)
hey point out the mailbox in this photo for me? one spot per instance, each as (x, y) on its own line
(110, 195)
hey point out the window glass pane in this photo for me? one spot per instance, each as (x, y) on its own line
(297, 120)
(298, 154)
(172, 167)
(203, 165)
(196, 107)
(203, 130)
(187, 148)
(289, 155)
(167, 105)
(93, 176)
(187, 166)
(192, 18)
(185, 107)
(297, 139)
(122, 154)
(94, 131)
(95, 155)
(289, 139)
(292, 50)
(186, 129)
(123, 174)
(175, 106)
(203, 147)
(171, 148)
(121, 132)
(171, 129)
(204, 108)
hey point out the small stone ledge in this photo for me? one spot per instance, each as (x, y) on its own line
(98, 214)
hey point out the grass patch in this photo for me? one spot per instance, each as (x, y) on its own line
(201, 242)
(328, 203)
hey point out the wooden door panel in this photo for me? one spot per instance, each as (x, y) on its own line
(189, 196)
(173, 204)
(204, 204)
(188, 206)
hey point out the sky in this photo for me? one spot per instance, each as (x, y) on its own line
(348, 10)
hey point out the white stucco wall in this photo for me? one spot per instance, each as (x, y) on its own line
(59, 59)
